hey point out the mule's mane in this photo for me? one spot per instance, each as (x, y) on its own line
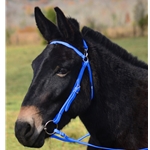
(99, 39)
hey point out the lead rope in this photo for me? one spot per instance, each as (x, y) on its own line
(57, 134)
(63, 137)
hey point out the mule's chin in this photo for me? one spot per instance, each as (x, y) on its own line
(39, 142)
(28, 135)
(34, 142)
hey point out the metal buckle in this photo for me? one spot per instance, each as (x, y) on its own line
(45, 127)
(86, 56)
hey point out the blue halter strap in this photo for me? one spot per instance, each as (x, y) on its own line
(77, 86)
(57, 134)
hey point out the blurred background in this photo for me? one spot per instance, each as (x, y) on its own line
(114, 18)
(125, 22)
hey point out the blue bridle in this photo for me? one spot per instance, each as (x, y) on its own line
(85, 64)
(77, 85)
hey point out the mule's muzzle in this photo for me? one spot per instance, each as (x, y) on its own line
(23, 129)
(28, 128)
(27, 134)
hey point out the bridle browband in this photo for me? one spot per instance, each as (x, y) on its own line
(85, 64)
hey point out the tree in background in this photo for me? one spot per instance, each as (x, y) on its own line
(9, 32)
(141, 16)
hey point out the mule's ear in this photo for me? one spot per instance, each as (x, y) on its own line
(74, 22)
(64, 25)
(46, 27)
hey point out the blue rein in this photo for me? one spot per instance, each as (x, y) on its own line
(85, 64)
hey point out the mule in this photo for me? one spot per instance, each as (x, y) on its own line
(116, 117)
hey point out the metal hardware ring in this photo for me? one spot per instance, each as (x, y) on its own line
(45, 127)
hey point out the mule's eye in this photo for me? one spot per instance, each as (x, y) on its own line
(62, 72)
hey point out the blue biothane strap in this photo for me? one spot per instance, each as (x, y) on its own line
(71, 47)
(59, 135)
(63, 137)
(72, 95)
(76, 88)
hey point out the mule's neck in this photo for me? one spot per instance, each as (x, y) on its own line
(99, 39)
(95, 117)
(113, 103)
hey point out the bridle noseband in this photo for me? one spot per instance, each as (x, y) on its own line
(85, 64)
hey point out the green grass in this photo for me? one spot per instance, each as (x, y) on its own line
(136, 46)
(18, 78)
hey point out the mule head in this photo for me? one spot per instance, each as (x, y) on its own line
(55, 71)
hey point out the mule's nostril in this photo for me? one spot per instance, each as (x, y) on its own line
(24, 130)
(28, 130)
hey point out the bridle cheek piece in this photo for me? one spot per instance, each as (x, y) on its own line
(77, 86)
